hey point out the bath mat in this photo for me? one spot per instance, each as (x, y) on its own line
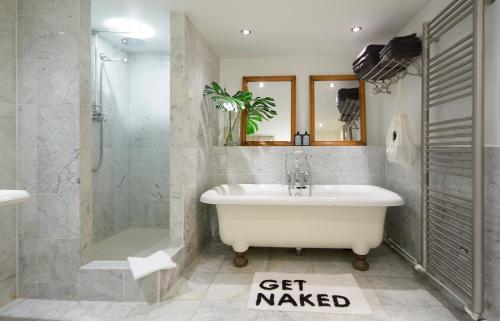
(320, 293)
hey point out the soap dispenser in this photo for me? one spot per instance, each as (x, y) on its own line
(306, 139)
(297, 140)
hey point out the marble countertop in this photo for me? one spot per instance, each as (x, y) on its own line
(8, 197)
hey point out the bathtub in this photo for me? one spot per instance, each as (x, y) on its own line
(322, 216)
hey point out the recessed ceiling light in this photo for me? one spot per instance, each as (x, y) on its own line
(261, 85)
(246, 32)
(356, 29)
(332, 85)
(320, 124)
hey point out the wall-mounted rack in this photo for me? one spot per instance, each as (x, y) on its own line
(389, 71)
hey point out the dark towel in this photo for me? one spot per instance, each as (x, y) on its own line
(403, 47)
(370, 50)
(348, 93)
(370, 60)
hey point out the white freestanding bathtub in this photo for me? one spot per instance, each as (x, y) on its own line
(326, 216)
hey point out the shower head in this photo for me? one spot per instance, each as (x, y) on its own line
(105, 58)
(133, 42)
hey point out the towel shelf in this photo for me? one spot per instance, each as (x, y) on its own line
(389, 71)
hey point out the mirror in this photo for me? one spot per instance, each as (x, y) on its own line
(337, 110)
(280, 129)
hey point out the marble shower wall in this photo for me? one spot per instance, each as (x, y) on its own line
(53, 132)
(130, 190)
(148, 127)
(110, 182)
(8, 148)
(194, 130)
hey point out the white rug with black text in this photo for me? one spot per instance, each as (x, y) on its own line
(320, 293)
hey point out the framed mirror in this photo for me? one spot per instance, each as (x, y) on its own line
(337, 110)
(279, 130)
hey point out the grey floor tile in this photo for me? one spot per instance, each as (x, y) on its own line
(230, 286)
(285, 260)
(402, 292)
(191, 286)
(24, 309)
(178, 310)
(100, 311)
(398, 313)
(212, 289)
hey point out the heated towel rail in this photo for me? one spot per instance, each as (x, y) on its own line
(452, 151)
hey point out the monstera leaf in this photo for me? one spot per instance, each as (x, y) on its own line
(259, 109)
(223, 100)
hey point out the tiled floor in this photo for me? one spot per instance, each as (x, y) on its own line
(213, 290)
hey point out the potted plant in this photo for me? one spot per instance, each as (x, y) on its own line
(257, 108)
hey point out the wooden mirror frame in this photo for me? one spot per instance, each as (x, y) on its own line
(293, 103)
(362, 109)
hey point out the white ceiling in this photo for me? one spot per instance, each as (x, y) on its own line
(154, 13)
(280, 27)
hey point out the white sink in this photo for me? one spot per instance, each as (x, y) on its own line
(8, 197)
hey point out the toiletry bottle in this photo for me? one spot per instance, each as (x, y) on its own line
(306, 139)
(297, 140)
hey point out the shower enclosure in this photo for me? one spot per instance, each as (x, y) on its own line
(130, 139)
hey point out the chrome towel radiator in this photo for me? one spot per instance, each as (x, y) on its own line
(452, 151)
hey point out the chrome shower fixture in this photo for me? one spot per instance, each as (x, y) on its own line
(133, 42)
(105, 58)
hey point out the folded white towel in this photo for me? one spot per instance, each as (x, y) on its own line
(157, 261)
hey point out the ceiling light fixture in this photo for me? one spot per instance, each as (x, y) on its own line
(356, 29)
(261, 85)
(332, 85)
(133, 28)
(246, 32)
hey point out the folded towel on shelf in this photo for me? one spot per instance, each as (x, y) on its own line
(348, 93)
(370, 50)
(369, 60)
(404, 47)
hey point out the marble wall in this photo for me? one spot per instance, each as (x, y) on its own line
(194, 131)
(492, 226)
(53, 132)
(130, 189)
(148, 127)
(111, 180)
(403, 224)
(8, 148)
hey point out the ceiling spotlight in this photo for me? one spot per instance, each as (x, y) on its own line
(356, 29)
(320, 124)
(261, 85)
(332, 85)
(246, 32)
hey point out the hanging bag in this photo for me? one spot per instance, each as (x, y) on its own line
(400, 148)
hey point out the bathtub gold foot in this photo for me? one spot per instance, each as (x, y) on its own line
(240, 259)
(360, 263)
